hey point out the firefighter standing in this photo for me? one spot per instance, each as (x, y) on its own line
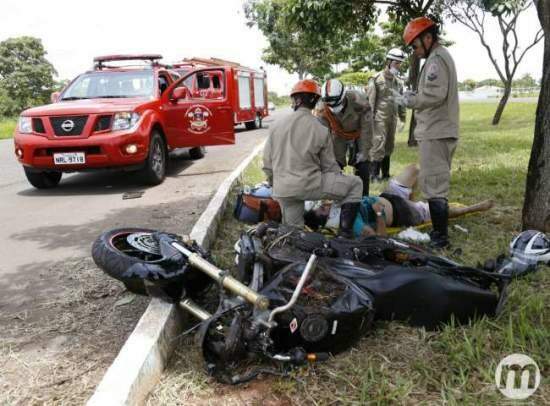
(380, 92)
(348, 115)
(300, 165)
(436, 107)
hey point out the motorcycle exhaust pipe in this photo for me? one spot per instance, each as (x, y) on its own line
(233, 285)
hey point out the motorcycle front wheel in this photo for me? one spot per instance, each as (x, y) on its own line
(132, 256)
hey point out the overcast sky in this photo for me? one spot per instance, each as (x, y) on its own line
(74, 32)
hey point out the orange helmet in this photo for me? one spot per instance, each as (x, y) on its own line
(416, 27)
(306, 86)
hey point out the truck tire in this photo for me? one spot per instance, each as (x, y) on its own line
(197, 152)
(252, 125)
(43, 180)
(154, 171)
(258, 121)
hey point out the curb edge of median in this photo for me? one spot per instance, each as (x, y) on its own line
(141, 360)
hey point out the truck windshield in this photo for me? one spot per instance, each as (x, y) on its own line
(104, 84)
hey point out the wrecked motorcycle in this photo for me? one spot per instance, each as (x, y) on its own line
(297, 296)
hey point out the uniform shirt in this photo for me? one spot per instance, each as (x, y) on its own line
(356, 116)
(436, 102)
(381, 98)
(296, 154)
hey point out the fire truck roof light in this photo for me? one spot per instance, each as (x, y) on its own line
(132, 57)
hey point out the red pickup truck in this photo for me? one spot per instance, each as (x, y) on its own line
(126, 117)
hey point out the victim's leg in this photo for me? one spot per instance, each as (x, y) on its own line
(460, 211)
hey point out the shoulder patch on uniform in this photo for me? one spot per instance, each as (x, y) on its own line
(433, 71)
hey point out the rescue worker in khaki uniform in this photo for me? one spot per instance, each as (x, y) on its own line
(348, 115)
(300, 165)
(436, 110)
(380, 92)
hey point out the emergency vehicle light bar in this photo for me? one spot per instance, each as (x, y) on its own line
(100, 60)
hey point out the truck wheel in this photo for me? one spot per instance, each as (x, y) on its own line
(43, 180)
(250, 125)
(258, 121)
(197, 152)
(155, 164)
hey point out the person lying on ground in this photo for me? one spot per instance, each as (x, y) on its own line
(393, 208)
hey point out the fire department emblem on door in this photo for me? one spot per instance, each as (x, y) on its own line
(198, 116)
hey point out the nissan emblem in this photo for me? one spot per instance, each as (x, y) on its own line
(67, 125)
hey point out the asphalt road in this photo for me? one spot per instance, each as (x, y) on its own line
(42, 227)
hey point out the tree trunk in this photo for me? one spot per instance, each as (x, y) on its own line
(300, 75)
(413, 83)
(502, 103)
(536, 207)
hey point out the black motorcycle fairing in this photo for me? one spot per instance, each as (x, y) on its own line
(419, 295)
(330, 315)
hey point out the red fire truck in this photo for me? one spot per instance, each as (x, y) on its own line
(250, 103)
(129, 117)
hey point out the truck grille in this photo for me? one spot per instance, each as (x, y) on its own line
(68, 125)
(103, 123)
(38, 125)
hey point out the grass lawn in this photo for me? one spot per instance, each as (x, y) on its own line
(404, 365)
(7, 126)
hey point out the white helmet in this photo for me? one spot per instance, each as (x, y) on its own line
(332, 94)
(531, 246)
(396, 54)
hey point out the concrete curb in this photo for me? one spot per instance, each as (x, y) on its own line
(139, 364)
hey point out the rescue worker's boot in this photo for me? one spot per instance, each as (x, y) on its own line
(385, 166)
(439, 212)
(348, 213)
(362, 170)
(375, 171)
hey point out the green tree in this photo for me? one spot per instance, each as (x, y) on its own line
(356, 78)
(469, 84)
(474, 14)
(525, 81)
(279, 100)
(290, 46)
(26, 76)
(336, 27)
(536, 205)
(490, 82)
(59, 85)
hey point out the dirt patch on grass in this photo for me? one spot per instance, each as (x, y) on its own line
(58, 348)
(62, 324)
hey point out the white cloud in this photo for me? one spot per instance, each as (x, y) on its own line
(74, 32)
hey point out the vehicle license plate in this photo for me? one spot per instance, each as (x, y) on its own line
(69, 158)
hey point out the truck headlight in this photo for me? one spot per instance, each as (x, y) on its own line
(25, 125)
(125, 121)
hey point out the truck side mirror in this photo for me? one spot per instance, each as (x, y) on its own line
(55, 97)
(180, 93)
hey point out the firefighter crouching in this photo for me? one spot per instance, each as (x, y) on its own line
(348, 115)
(436, 109)
(300, 165)
(380, 92)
